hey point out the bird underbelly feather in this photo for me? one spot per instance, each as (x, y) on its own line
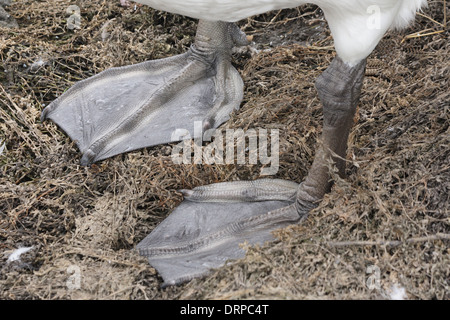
(223, 10)
(234, 10)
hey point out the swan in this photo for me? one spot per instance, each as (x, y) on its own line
(127, 108)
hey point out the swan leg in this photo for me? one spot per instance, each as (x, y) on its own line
(208, 227)
(339, 89)
(128, 108)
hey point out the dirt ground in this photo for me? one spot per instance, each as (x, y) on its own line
(383, 229)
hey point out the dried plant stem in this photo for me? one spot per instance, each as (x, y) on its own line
(392, 243)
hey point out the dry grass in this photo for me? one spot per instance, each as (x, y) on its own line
(397, 187)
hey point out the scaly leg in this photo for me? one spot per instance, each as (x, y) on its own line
(339, 89)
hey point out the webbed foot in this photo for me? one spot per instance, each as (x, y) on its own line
(132, 107)
(207, 228)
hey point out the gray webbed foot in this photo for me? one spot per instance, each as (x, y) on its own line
(128, 108)
(6, 20)
(207, 228)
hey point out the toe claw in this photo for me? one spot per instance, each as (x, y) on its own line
(88, 158)
(186, 193)
(44, 115)
(208, 123)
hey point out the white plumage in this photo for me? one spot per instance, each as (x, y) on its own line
(15, 255)
(357, 25)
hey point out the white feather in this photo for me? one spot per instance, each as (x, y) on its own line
(234, 10)
(15, 255)
(2, 147)
(397, 293)
(407, 13)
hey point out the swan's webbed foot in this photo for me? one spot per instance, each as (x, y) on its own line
(127, 108)
(207, 228)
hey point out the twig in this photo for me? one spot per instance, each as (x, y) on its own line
(419, 34)
(431, 19)
(83, 252)
(445, 14)
(16, 215)
(424, 33)
(320, 48)
(392, 243)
